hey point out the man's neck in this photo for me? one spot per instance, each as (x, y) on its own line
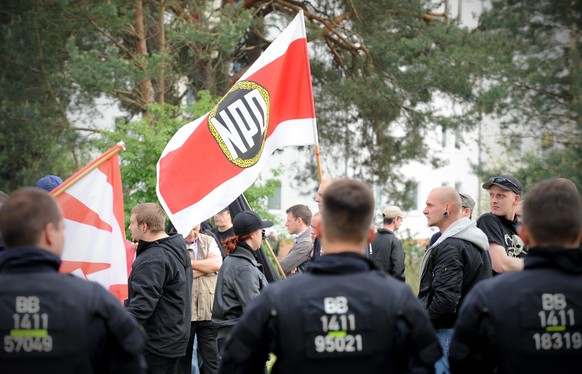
(223, 228)
(448, 222)
(390, 227)
(343, 247)
(509, 217)
(152, 237)
(301, 230)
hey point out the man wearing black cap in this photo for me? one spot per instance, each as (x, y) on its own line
(342, 315)
(529, 321)
(240, 278)
(505, 246)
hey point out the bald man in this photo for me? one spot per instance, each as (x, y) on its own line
(452, 265)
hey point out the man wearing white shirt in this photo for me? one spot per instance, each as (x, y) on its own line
(298, 223)
(206, 261)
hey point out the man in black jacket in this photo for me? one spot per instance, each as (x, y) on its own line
(387, 251)
(530, 321)
(52, 322)
(342, 316)
(160, 287)
(452, 265)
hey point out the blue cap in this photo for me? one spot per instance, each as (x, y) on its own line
(48, 182)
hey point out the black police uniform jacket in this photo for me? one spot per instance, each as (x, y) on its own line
(160, 294)
(57, 323)
(524, 322)
(341, 316)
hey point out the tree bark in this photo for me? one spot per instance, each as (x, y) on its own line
(145, 84)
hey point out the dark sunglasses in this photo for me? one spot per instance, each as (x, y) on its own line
(503, 180)
(264, 236)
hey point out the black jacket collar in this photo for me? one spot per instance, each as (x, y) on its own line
(28, 260)
(568, 260)
(341, 263)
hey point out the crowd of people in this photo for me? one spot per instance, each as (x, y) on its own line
(501, 294)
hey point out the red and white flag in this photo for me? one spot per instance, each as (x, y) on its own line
(209, 162)
(92, 205)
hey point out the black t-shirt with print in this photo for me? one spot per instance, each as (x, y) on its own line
(503, 232)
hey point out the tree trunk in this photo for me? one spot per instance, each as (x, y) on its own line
(145, 84)
(162, 82)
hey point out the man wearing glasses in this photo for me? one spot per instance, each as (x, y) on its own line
(505, 246)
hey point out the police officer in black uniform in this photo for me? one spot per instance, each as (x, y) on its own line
(342, 316)
(530, 321)
(52, 322)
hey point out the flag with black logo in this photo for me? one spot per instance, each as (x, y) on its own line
(209, 162)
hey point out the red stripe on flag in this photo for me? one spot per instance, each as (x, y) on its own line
(86, 267)
(120, 291)
(287, 82)
(75, 210)
(113, 173)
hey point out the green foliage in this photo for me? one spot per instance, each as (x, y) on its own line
(414, 252)
(258, 195)
(144, 139)
(533, 87)
(35, 138)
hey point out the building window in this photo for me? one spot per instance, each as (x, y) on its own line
(275, 200)
(444, 139)
(458, 139)
(413, 188)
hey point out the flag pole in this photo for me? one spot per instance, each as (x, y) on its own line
(87, 169)
(317, 152)
(275, 258)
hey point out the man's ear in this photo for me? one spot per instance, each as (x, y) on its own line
(371, 234)
(524, 235)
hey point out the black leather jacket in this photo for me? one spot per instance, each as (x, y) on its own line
(239, 281)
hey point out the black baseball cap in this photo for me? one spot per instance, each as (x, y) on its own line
(248, 221)
(507, 182)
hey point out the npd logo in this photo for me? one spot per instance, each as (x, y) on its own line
(239, 123)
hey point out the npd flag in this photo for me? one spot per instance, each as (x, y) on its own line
(92, 204)
(211, 161)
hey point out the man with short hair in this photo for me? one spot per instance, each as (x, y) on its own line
(467, 205)
(530, 321)
(52, 322)
(206, 261)
(505, 246)
(452, 265)
(315, 222)
(324, 185)
(223, 229)
(160, 287)
(298, 223)
(341, 316)
(387, 250)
